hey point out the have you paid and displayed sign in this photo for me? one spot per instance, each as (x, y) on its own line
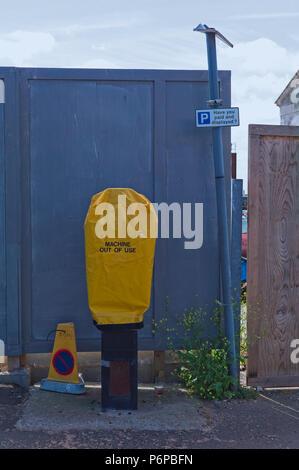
(217, 117)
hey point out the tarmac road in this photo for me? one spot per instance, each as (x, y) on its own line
(270, 422)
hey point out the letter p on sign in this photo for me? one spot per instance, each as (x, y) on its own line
(203, 118)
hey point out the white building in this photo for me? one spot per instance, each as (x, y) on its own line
(288, 102)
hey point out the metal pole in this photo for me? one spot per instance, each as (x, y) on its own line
(221, 207)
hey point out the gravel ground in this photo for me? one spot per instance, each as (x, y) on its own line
(271, 421)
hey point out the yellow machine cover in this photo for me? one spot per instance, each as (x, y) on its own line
(120, 238)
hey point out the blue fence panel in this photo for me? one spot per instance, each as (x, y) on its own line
(11, 229)
(2, 222)
(80, 132)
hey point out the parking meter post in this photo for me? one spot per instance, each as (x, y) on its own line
(119, 369)
(223, 234)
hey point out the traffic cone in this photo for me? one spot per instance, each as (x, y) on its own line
(63, 373)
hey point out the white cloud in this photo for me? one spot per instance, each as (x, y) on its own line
(260, 71)
(261, 68)
(103, 64)
(79, 28)
(261, 56)
(265, 16)
(18, 47)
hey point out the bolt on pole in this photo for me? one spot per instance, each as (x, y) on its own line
(223, 232)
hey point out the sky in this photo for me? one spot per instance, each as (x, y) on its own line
(158, 34)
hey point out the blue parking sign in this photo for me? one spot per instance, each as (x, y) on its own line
(217, 117)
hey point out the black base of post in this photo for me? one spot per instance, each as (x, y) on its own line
(119, 369)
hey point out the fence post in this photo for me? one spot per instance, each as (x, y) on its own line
(236, 250)
(223, 230)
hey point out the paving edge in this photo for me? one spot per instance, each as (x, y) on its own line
(21, 377)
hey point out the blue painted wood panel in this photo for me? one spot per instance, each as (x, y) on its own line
(182, 275)
(2, 231)
(83, 137)
(80, 132)
(12, 219)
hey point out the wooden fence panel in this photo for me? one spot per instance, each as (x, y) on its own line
(273, 255)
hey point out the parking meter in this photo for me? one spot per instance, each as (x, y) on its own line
(120, 234)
